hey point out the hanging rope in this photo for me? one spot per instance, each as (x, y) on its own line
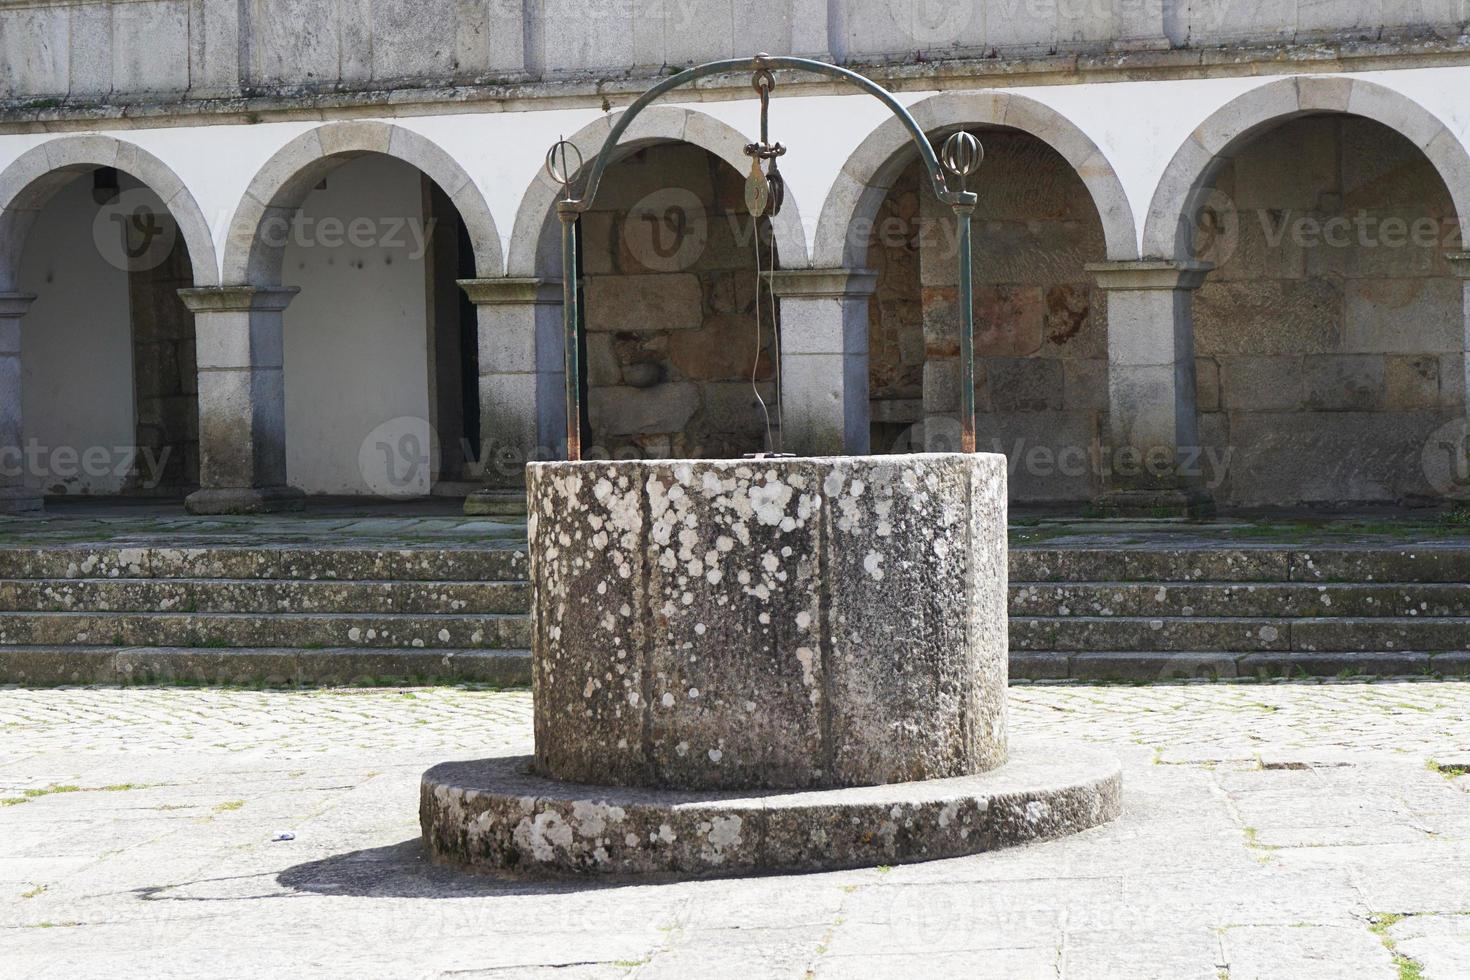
(760, 336)
(764, 193)
(776, 343)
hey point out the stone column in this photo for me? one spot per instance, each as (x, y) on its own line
(1460, 265)
(242, 400)
(522, 381)
(1153, 420)
(15, 496)
(824, 359)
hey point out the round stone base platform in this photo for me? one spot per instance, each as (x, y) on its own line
(495, 815)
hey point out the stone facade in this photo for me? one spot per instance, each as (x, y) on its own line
(1115, 365)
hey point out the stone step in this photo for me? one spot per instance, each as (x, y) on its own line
(1170, 565)
(1115, 665)
(262, 596)
(292, 630)
(1439, 563)
(45, 666)
(1257, 599)
(1236, 634)
(495, 562)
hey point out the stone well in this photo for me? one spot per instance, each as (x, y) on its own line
(760, 664)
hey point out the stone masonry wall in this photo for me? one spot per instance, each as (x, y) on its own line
(896, 318)
(129, 51)
(1040, 330)
(165, 378)
(670, 289)
(1329, 337)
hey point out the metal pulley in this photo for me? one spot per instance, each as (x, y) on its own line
(764, 191)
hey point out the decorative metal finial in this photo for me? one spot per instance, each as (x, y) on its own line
(962, 155)
(556, 164)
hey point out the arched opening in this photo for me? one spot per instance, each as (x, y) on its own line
(380, 344)
(1329, 339)
(673, 365)
(377, 391)
(109, 396)
(1041, 383)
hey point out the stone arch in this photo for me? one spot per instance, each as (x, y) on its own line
(534, 251)
(870, 171)
(29, 183)
(283, 183)
(1199, 161)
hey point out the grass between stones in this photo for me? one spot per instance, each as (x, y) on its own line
(35, 794)
(1408, 967)
(1447, 770)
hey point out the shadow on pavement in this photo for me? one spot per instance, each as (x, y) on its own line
(403, 870)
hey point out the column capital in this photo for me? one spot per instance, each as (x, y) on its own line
(1459, 263)
(15, 304)
(1150, 274)
(818, 283)
(238, 299)
(512, 291)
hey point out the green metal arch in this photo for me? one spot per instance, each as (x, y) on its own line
(770, 62)
(569, 209)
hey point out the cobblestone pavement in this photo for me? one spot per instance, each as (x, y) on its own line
(1288, 830)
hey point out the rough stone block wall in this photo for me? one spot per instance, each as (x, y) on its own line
(896, 318)
(1329, 338)
(1040, 326)
(165, 377)
(671, 295)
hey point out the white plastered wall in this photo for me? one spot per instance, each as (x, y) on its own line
(356, 341)
(76, 348)
(1138, 125)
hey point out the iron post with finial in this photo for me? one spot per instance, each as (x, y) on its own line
(961, 156)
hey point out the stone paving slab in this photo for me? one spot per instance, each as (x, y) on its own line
(1282, 830)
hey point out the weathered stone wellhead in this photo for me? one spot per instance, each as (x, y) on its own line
(770, 624)
(765, 664)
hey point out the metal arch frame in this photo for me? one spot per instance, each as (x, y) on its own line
(571, 207)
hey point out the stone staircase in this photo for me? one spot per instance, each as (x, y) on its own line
(1160, 613)
(292, 614)
(280, 615)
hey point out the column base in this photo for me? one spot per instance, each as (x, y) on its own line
(21, 500)
(245, 500)
(495, 503)
(1160, 504)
